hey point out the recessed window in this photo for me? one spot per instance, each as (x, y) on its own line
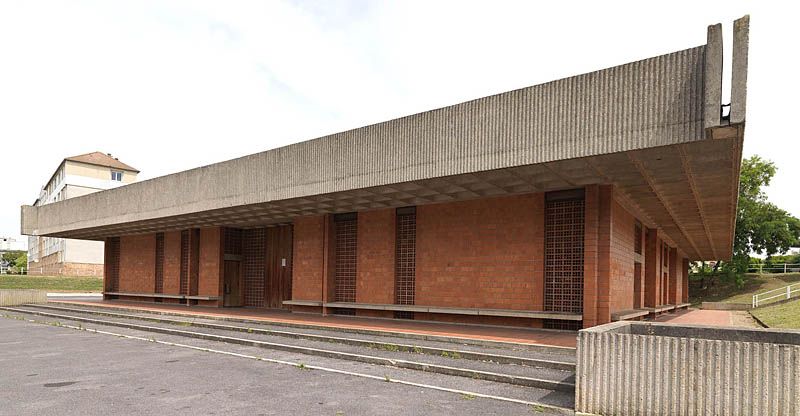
(116, 176)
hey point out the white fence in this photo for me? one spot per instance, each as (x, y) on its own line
(774, 295)
(774, 268)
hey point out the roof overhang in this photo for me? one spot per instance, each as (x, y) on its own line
(653, 128)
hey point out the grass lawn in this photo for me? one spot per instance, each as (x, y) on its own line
(727, 292)
(52, 283)
(786, 315)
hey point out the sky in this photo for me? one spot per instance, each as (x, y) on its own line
(172, 85)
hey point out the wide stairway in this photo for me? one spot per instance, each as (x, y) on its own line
(539, 376)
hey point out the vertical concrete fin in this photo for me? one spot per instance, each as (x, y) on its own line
(29, 220)
(713, 77)
(741, 41)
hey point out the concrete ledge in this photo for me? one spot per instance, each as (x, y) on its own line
(512, 313)
(162, 295)
(722, 306)
(302, 302)
(683, 305)
(13, 297)
(629, 314)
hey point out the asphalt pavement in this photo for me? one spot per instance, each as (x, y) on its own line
(50, 370)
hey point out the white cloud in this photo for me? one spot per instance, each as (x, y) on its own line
(168, 86)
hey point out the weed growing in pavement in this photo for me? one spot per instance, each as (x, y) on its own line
(390, 347)
(386, 378)
(453, 355)
(302, 366)
(249, 330)
(184, 323)
(468, 396)
(537, 408)
(417, 350)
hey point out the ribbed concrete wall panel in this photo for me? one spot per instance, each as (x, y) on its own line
(14, 297)
(654, 102)
(628, 374)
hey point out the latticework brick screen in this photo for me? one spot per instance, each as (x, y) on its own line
(254, 252)
(405, 256)
(564, 240)
(346, 257)
(159, 286)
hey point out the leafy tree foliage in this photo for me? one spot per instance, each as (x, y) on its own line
(761, 227)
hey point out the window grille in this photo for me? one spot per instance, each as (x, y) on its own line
(564, 241)
(346, 226)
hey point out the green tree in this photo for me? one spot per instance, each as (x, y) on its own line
(761, 227)
(21, 261)
(11, 256)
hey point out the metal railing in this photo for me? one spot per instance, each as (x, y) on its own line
(771, 295)
(774, 268)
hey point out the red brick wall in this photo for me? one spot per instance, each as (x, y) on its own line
(209, 279)
(484, 253)
(591, 255)
(308, 255)
(137, 263)
(685, 280)
(172, 262)
(375, 267)
(652, 269)
(622, 259)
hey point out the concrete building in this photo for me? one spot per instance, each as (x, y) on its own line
(561, 205)
(75, 176)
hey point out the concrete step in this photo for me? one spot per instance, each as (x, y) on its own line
(447, 362)
(535, 400)
(560, 357)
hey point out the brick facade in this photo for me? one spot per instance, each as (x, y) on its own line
(483, 253)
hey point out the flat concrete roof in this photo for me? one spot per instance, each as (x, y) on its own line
(653, 128)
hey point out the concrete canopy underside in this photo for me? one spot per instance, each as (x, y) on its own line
(652, 128)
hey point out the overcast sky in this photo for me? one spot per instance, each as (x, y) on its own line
(171, 85)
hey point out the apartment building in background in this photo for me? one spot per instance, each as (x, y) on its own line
(75, 176)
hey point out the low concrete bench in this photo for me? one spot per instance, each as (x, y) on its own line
(161, 296)
(509, 313)
(660, 309)
(629, 314)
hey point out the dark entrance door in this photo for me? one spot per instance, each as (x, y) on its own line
(232, 284)
(278, 264)
(267, 254)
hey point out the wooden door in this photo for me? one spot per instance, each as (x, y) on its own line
(278, 279)
(232, 284)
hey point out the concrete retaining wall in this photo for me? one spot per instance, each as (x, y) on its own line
(631, 368)
(13, 297)
(722, 306)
